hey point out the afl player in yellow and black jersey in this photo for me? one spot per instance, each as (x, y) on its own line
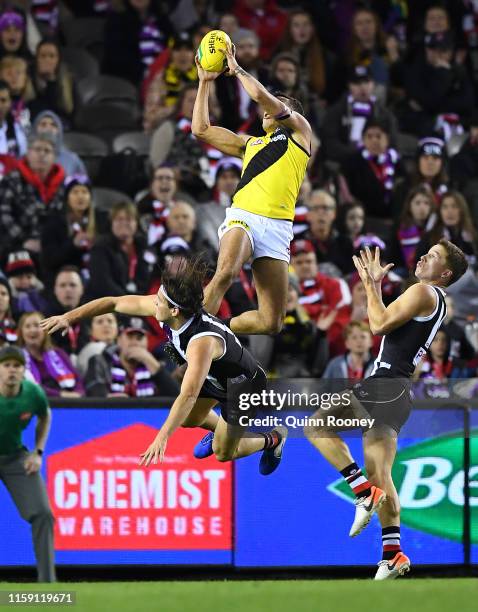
(258, 225)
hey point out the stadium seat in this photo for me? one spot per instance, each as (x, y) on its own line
(105, 198)
(100, 118)
(80, 63)
(107, 89)
(85, 33)
(138, 141)
(90, 148)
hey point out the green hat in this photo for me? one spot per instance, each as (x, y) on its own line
(12, 352)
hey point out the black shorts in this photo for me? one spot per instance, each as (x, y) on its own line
(387, 400)
(229, 402)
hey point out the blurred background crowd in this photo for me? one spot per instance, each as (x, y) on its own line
(103, 186)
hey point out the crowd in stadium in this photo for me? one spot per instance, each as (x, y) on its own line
(103, 186)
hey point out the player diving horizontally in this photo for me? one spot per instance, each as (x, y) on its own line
(213, 355)
(408, 325)
(258, 225)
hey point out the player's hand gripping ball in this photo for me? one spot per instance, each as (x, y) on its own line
(209, 52)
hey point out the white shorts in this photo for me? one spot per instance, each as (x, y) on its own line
(269, 237)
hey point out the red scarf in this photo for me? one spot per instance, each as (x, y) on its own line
(48, 188)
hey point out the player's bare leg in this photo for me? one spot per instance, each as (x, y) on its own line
(369, 497)
(202, 414)
(380, 447)
(271, 281)
(234, 250)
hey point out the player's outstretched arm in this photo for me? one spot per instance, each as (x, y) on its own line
(139, 305)
(200, 354)
(222, 139)
(272, 105)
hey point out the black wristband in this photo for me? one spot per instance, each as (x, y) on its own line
(39, 451)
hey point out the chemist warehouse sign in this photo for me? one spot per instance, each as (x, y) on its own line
(102, 498)
(429, 478)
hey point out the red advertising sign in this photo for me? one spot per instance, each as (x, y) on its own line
(102, 498)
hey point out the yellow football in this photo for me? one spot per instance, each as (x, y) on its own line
(209, 54)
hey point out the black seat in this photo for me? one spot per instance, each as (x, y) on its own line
(105, 198)
(99, 117)
(85, 33)
(107, 89)
(138, 141)
(92, 149)
(80, 63)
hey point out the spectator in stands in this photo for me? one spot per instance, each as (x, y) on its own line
(48, 366)
(237, 108)
(321, 214)
(314, 63)
(434, 370)
(352, 234)
(267, 21)
(367, 44)
(68, 290)
(134, 37)
(285, 77)
(173, 143)
(464, 165)
(128, 369)
(154, 207)
(27, 289)
(324, 298)
(227, 176)
(299, 347)
(357, 362)
(228, 23)
(417, 217)
(182, 223)
(8, 326)
(69, 235)
(344, 121)
(430, 170)
(28, 193)
(163, 90)
(439, 92)
(14, 70)
(461, 350)
(13, 141)
(12, 34)
(455, 224)
(52, 82)
(374, 170)
(119, 261)
(48, 122)
(436, 20)
(103, 333)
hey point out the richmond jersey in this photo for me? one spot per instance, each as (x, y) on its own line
(273, 169)
(403, 348)
(235, 362)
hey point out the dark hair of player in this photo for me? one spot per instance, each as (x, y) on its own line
(186, 286)
(292, 103)
(455, 260)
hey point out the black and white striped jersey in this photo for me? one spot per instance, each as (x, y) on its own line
(403, 348)
(235, 362)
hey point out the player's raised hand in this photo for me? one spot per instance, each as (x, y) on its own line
(155, 451)
(205, 75)
(372, 264)
(230, 53)
(53, 324)
(362, 270)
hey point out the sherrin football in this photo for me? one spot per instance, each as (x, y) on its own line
(209, 54)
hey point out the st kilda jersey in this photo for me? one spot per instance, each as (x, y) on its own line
(403, 348)
(235, 362)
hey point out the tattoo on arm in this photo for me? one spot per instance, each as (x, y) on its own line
(241, 72)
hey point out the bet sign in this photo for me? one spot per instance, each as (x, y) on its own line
(429, 477)
(103, 499)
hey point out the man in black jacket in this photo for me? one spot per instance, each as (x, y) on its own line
(120, 263)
